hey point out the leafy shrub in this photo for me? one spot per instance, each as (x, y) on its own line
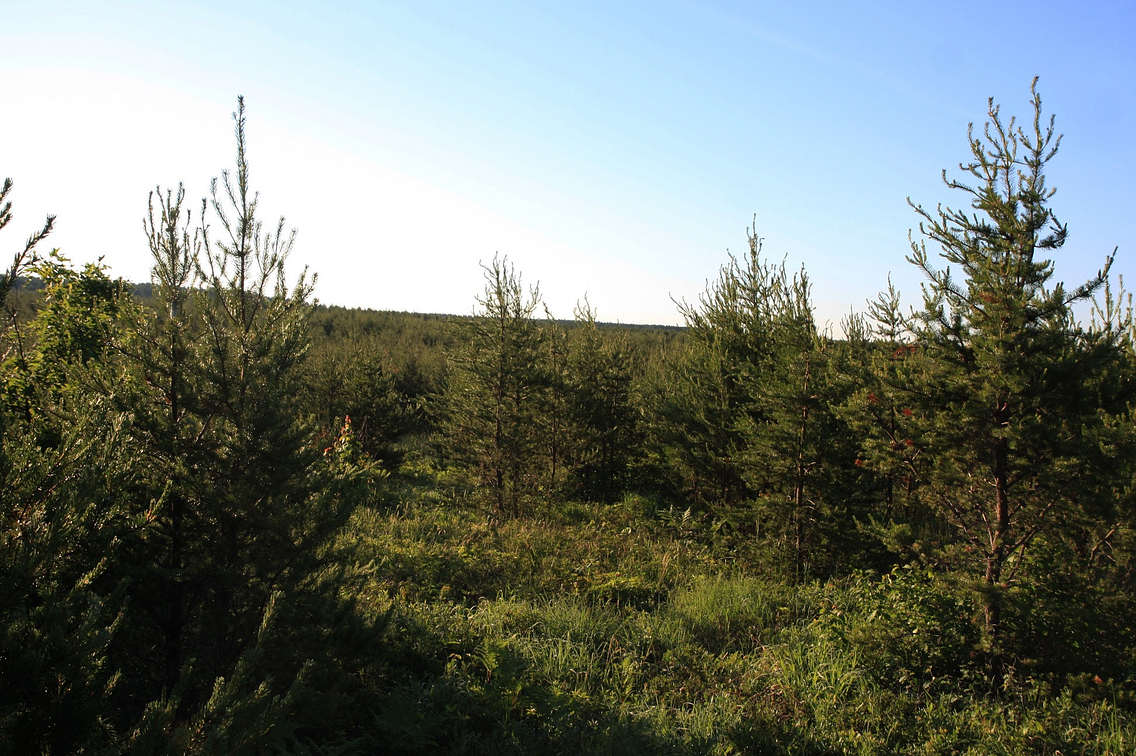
(909, 629)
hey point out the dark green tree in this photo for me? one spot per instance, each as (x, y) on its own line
(797, 452)
(350, 379)
(604, 419)
(996, 383)
(63, 519)
(879, 411)
(242, 505)
(60, 519)
(168, 563)
(696, 399)
(497, 390)
(23, 256)
(556, 440)
(749, 412)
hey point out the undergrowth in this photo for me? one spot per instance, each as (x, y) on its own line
(620, 630)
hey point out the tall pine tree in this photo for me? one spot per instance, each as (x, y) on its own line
(996, 382)
(240, 501)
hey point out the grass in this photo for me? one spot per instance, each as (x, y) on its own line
(598, 630)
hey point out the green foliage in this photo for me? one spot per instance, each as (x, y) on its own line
(605, 429)
(438, 550)
(242, 508)
(63, 520)
(695, 401)
(747, 416)
(239, 716)
(60, 520)
(23, 257)
(1065, 622)
(911, 630)
(721, 665)
(881, 416)
(498, 387)
(225, 529)
(352, 382)
(75, 322)
(737, 614)
(74, 325)
(999, 417)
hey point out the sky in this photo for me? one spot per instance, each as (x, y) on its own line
(618, 151)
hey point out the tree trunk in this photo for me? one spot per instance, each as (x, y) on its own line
(996, 556)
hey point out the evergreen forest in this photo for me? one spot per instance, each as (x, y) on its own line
(238, 521)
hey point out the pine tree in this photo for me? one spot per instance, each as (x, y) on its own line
(240, 500)
(698, 400)
(168, 563)
(497, 391)
(750, 415)
(24, 256)
(787, 441)
(351, 379)
(60, 519)
(880, 412)
(995, 381)
(555, 411)
(605, 432)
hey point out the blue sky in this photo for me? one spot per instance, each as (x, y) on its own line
(617, 150)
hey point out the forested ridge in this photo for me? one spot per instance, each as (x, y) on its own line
(237, 521)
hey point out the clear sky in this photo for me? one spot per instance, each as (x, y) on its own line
(611, 149)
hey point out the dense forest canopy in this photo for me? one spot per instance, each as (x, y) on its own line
(236, 521)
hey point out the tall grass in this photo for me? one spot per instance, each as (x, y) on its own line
(607, 631)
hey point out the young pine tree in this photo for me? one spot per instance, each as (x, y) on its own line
(793, 441)
(497, 391)
(698, 399)
(242, 505)
(604, 420)
(996, 383)
(751, 410)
